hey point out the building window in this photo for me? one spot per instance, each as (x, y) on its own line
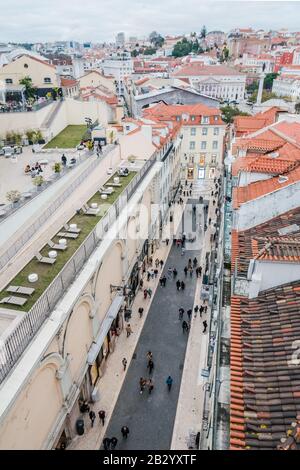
(215, 144)
(47, 80)
(214, 158)
(177, 118)
(204, 130)
(203, 145)
(8, 81)
(205, 120)
(216, 118)
(192, 145)
(216, 131)
(25, 66)
(193, 130)
(193, 118)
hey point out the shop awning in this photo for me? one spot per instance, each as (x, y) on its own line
(111, 314)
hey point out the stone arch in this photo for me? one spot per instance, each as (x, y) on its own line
(33, 415)
(110, 273)
(131, 240)
(88, 298)
(78, 335)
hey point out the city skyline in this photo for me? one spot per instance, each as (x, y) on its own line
(57, 21)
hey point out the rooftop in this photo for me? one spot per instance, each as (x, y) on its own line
(265, 381)
(86, 224)
(195, 69)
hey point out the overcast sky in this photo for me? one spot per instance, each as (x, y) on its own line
(100, 20)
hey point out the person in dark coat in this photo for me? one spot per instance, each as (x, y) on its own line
(204, 326)
(92, 417)
(182, 285)
(178, 284)
(189, 314)
(113, 442)
(125, 431)
(185, 326)
(106, 443)
(150, 366)
(101, 415)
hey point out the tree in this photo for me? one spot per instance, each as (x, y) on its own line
(182, 48)
(156, 39)
(13, 196)
(228, 113)
(149, 51)
(30, 90)
(266, 95)
(203, 32)
(268, 81)
(297, 108)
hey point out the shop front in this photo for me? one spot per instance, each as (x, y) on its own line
(190, 173)
(111, 328)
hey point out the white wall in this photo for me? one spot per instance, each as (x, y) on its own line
(268, 274)
(267, 207)
(23, 121)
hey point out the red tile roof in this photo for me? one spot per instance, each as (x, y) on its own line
(165, 112)
(246, 124)
(265, 387)
(68, 82)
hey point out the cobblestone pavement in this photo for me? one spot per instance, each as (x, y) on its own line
(150, 418)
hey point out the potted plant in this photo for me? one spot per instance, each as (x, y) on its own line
(38, 181)
(13, 196)
(56, 168)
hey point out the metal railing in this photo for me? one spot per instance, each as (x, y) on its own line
(15, 344)
(20, 242)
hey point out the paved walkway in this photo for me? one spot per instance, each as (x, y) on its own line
(150, 418)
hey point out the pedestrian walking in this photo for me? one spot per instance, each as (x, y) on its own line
(141, 284)
(149, 292)
(175, 272)
(150, 366)
(141, 311)
(142, 384)
(128, 330)
(190, 191)
(191, 271)
(167, 241)
(185, 326)
(113, 442)
(164, 281)
(124, 362)
(149, 355)
(170, 272)
(169, 382)
(185, 271)
(182, 285)
(124, 432)
(101, 415)
(189, 314)
(156, 262)
(182, 250)
(204, 326)
(161, 263)
(145, 294)
(150, 386)
(196, 309)
(106, 443)
(155, 273)
(148, 276)
(181, 312)
(195, 262)
(205, 309)
(92, 416)
(178, 284)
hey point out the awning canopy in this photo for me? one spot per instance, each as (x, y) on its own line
(104, 329)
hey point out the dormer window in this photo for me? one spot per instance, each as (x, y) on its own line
(192, 118)
(205, 120)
